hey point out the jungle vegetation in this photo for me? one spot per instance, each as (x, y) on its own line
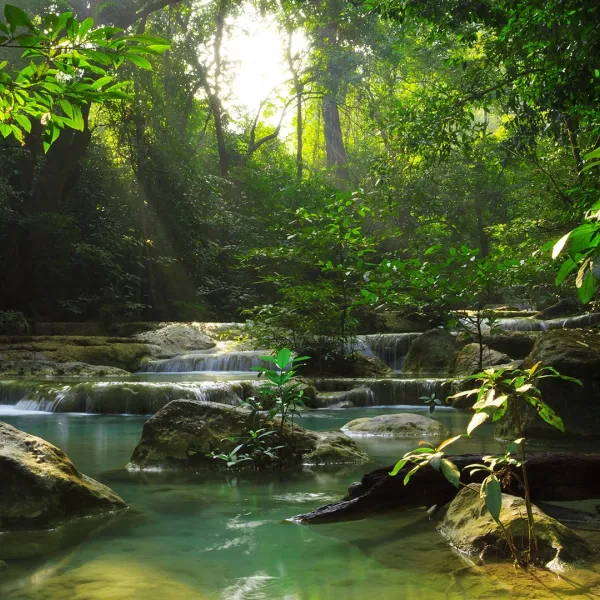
(412, 154)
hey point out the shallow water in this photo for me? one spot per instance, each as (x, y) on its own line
(224, 537)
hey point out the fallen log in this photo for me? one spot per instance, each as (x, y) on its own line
(559, 476)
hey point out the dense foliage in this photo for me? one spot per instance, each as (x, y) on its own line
(424, 156)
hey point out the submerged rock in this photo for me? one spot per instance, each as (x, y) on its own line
(184, 433)
(176, 338)
(41, 489)
(432, 353)
(398, 425)
(575, 353)
(469, 528)
(466, 360)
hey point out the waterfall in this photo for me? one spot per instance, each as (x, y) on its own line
(110, 397)
(586, 320)
(241, 360)
(389, 392)
(391, 348)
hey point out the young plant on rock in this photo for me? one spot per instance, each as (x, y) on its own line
(281, 388)
(499, 391)
(429, 455)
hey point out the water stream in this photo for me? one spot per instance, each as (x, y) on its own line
(225, 537)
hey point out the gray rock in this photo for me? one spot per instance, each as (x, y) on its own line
(176, 338)
(466, 360)
(41, 490)
(432, 353)
(49, 368)
(469, 528)
(571, 352)
(184, 433)
(567, 307)
(398, 425)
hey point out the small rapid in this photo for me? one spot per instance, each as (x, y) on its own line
(116, 397)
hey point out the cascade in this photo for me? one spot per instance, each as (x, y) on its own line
(241, 360)
(586, 320)
(391, 348)
(111, 397)
(389, 392)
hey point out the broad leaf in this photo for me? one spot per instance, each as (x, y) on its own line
(491, 491)
(450, 472)
(283, 358)
(476, 421)
(398, 467)
(558, 247)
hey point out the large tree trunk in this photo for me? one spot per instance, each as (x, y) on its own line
(337, 159)
(558, 476)
(334, 141)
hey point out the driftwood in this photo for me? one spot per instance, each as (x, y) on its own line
(559, 476)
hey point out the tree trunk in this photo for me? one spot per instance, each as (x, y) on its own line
(334, 141)
(561, 476)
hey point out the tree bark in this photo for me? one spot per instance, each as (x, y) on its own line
(335, 151)
(561, 476)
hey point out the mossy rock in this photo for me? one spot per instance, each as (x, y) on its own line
(572, 352)
(184, 433)
(466, 360)
(171, 339)
(121, 353)
(40, 489)
(567, 307)
(432, 353)
(49, 368)
(398, 425)
(357, 365)
(516, 344)
(471, 530)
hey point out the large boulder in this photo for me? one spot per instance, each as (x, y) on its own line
(398, 425)
(575, 353)
(183, 434)
(469, 528)
(517, 344)
(566, 307)
(432, 353)
(176, 338)
(40, 489)
(466, 360)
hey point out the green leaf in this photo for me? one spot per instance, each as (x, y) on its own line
(67, 108)
(398, 467)
(283, 358)
(139, 61)
(101, 82)
(491, 491)
(270, 359)
(587, 288)
(24, 122)
(411, 473)
(78, 122)
(85, 26)
(450, 472)
(567, 267)
(15, 17)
